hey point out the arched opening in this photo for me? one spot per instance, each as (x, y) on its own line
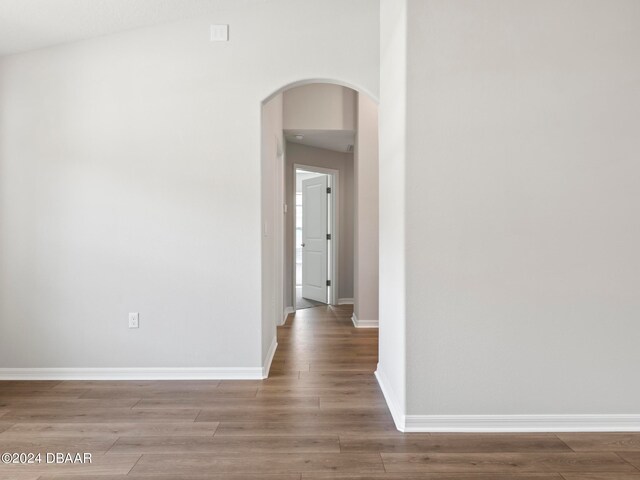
(310, 81)
(313, 129)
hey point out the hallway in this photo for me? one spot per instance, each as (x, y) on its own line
(320, 415)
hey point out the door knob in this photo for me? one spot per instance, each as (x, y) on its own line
(302, 244)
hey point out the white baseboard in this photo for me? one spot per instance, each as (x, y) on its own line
(392, 402)
(504, 423)
(522, 423)
(188, 373)
(345, 301)
(363, 323)
(269, 359)
(287, 311)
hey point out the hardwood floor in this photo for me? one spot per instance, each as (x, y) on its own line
(320, 415)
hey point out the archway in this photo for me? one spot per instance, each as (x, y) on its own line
(277, 208)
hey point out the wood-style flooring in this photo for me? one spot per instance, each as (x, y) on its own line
(320, 415)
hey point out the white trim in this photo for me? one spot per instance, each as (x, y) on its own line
(345, 301)
(505, 423)
(520, 423)
(187, 373)
(287, 311)
(392, 403)
(269, 359)
(363, 323)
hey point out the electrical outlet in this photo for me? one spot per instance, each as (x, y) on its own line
(134, 320)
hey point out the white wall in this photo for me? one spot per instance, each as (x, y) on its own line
(343, 162)
(522, 206)
(365, 270)
(391, 370)
(130, 181)
(272, 222)
(320, 106)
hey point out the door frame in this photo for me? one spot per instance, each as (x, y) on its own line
(334, 255)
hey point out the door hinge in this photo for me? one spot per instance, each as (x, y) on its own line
(328, 236)
(328, 189)
(328, 283)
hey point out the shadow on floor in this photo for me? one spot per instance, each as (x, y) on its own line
(304, 302)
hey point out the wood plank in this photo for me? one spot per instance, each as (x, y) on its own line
(100, 415)
(286, 368)
(237, 403)
(333, 355)
(632, 457)
(51, 402)
(602, 476)
(283, 374)
(97, 444)
(227, 445)
(208, 476)
(505, 462)
(122, 392)
(328, 341)
(288, 379)
(59, 394)
(114, 429)
(5, 426)
(301, 415)
(289, 463)
(100, 465)
(308, 427)
(152, 385)
(452, 443)
(602, 442)
(363, 393)
(28, 385)
(432, 476)
(342, 367)
(356, 377)
(21, 476)
(303, 382)
(361, 403)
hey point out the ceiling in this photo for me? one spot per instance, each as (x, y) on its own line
(31, 24)
(337, 140)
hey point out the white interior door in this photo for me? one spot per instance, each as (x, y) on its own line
(314, 238)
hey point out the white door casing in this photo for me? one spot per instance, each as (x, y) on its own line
(314, 238)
